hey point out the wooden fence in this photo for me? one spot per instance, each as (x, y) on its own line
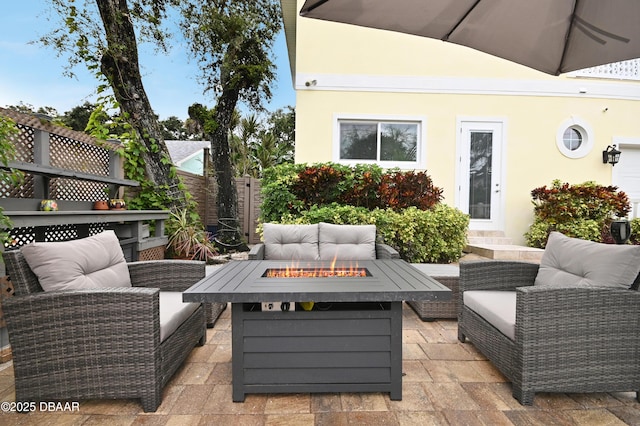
(204, 191)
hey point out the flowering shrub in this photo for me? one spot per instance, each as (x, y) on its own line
(581, 211)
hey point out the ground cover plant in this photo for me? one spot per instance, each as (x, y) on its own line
(406, 206)
(581, 211)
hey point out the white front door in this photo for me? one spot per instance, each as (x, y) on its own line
(480, 173)
(626, 174)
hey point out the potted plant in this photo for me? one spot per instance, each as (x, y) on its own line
(101, 205)
(187, 239)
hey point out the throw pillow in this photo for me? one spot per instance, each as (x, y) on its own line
(93, 262)
(571, 261)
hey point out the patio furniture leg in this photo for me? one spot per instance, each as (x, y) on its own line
(238, 393)
(461, 337)
(151, 403)
(525, 398)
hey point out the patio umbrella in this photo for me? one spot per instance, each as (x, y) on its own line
(553, 36)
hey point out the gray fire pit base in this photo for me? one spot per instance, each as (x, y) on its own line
(352, 347)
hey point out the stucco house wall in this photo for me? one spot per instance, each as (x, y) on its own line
(344, 72)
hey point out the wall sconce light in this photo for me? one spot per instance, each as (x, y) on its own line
(310, 83)
(611, 155)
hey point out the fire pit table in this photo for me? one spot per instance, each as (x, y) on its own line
(351, 341)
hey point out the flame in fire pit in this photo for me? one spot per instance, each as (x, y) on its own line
(295, 271)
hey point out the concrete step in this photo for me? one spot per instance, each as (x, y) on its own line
(484, 233)
(495, 245)
(482, 238)
(489, 240)
(506, 252)
(487, 237)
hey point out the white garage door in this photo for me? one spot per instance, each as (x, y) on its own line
(626, 175)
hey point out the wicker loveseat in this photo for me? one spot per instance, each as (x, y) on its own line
(570, 324)
(321, 241)
(101, 342)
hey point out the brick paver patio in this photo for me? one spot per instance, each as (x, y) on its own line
(445, 383)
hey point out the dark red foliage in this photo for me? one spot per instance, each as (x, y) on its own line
(400, 190)
(318, 185)
(331, 183)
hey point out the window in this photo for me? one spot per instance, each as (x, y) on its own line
(574, 138)
(390, 143)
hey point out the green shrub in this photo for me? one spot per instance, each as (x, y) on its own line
(586, 229)
(340, 214)
(277, 198)
(435, 236)
(580, 211)
(635, 231)
(362, 186)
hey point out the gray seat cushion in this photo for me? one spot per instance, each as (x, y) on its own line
(347, 242)
(173, 312)
(574, 262)
(290, 242)
(498, 308)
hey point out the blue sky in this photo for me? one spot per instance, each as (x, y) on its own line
(33, 74)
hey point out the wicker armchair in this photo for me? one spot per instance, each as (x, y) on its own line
(99, 343)
(573, 340)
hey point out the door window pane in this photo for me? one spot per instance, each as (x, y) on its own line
(480, 175)
(398, 142)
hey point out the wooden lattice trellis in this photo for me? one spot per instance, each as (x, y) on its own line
(64, 153)
(21, 236)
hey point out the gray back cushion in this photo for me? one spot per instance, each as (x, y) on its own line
(347, 242)
(93, 262)
(290, 242)
(574, 262)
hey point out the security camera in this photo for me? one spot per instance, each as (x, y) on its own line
(310, 83)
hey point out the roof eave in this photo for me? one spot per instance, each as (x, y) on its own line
(289, 18)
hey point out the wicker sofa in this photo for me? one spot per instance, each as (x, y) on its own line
(101, 342)
(322, 241)
(570, 324)
(448, 276)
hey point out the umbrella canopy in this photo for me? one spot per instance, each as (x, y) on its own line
(553, 36)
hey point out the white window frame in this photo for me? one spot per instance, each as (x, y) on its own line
(585, 131)
(421, 121)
